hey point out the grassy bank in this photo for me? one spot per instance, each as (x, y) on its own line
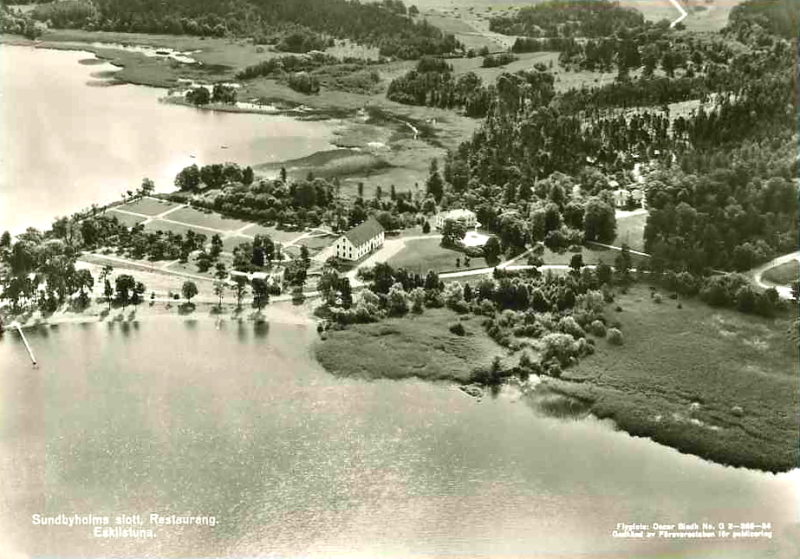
(783, 274)
(413, 346)
(710, 382)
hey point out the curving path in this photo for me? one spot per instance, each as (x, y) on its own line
(784, 291)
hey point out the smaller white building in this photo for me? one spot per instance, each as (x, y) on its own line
(467, 217)
(273, 277)
(360, 240)
(620, 197)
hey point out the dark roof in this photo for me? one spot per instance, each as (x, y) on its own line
(360, 234)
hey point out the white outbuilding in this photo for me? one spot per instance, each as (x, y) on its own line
(360, 240)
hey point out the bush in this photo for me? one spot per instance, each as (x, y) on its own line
(487, 308)
(304, 83)
(553, 369)
(500, 59)
(598, 329)
(560, 347)
(657, 298)
(614, 336)
(458, 329)
(569, 326)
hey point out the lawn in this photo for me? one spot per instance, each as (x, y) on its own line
(126, 219)
(148, 206)
(231, 242)
(422, 255)
(211, 220)
(276, 235)
(190, 267)
(318, 243)
(681, 372)
(592, 256)
(631, 230)
(412, 346)
(158, 225)
(783, 274)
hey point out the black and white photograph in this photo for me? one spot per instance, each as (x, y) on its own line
(399, 279)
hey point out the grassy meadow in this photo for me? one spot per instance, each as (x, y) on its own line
(148, 206)
(412, 346)
(711, 382)
(783, 274)
(127, 220)
(631, 230)
(421, 255)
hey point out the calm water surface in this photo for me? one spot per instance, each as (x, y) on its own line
(65, 144)
(240, 422)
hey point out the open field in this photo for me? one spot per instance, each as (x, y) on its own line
(708, 15)
(783, 274)
(190, 267)
(413, 346)
(327, 164)
(178, 228)
(148, 206)
(127, 220)
(211, 220)
(681, 374)
(421, 255)
(631, 230)
(277, 235)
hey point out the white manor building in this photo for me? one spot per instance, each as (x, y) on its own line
(360, 240)
(622, 195)
(467, 217)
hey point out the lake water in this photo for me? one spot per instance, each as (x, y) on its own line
(238, 421)
(65, 144)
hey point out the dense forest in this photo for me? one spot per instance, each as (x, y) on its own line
(724, 195)
(293, 25)
(432, 83)
(568, 18)
(780, 17)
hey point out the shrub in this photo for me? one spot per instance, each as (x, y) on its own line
(553, 369)
(614, 336)
(457, 328)
(657, 298)
(304, 83)
(569, 326)
(598, 329)
(473, 252)
(487, 308)
(559, 347)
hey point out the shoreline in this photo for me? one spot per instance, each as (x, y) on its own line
(97, 312)
(671, 396)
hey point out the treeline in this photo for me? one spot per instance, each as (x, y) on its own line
(724, 290)
(568, 18)
(549, 44)
(278, 66)
(641, 92)
(500, 59)
(294, 25)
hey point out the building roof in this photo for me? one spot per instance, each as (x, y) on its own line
(458, 214)
(360, 234)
